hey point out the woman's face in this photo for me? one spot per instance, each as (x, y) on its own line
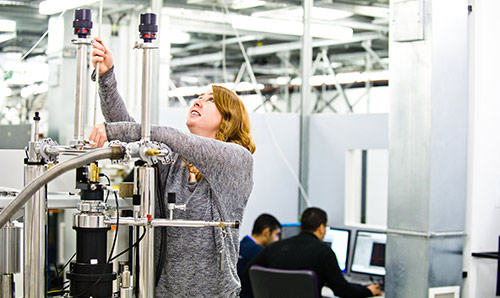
(204, 118)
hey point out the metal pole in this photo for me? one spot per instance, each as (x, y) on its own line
(306, 67)
(81, 79)
(146, 246)
(156, 6)
(146, 95)
(35, 213)
(10, 238)
(7, 285)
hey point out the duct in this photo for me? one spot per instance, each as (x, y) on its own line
(33, 186)
(427, 152)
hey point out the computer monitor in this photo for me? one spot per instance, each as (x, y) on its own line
(289, 230)
(369, 253)
(338, 240)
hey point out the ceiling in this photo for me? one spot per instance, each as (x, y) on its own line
(213, 53)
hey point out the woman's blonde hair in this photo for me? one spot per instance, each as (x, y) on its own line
(235, 124)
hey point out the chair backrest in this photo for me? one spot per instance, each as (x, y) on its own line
(278, 283)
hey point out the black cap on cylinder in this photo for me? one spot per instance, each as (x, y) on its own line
(83, 22)
(148, 27)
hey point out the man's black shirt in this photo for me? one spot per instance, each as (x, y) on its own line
(306, 252)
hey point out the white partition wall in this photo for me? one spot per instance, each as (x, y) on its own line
(331, 137)
(482, 219)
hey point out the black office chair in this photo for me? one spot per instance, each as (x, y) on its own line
(278, 283)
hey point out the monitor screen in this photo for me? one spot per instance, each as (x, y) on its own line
(369, 253)
(338, 240)
(289, 230)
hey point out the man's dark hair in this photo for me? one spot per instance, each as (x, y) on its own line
(265, 221)
(312, 218)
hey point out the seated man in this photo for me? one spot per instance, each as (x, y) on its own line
(306, 251)
(266, 230)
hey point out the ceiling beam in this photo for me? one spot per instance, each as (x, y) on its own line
(216, 44)
(274, 48)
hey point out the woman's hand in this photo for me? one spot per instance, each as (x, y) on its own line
(102, 55)
(98, 135)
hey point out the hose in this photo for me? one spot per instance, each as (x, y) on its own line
(29, 190)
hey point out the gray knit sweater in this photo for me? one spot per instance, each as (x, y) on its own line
(192, 266)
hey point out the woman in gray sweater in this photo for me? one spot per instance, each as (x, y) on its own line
(212, 175)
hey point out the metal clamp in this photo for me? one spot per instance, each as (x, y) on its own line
(89, 220)
(145, 45)
(92, 206)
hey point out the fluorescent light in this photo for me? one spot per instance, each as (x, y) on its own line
(179, 37)
(282, 80)
(7, 36)
(7, 25)
(29, 90)
(288, 27)
(190, 79)
(49, 7)
(243, 4)
(5, 91)
(317, 13)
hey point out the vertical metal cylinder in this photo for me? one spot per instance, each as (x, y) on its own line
(81, 79)
(146, 95)
(35, 214)
(10, 249)
(146, 246)
(7, 286)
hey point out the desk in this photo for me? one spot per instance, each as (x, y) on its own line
(328, 293)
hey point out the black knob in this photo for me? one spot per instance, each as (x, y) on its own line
(148, 27)
(83, 22)
(171, 197)
(37, 116)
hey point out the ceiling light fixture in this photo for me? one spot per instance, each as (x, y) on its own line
(7, 36)
(288, 27)
(296, 13)
(244, 4)
(49, 7)
(7, 25)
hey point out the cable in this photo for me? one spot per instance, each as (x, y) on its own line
(163, 239)
(117, 226)
(130, 247)
(62, 270)
(271, 132)
(39, 40)
(107, 177)
(107, 196)
(109, 184)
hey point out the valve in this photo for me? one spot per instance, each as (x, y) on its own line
(148, 27)
(171, 206)
(83, 22)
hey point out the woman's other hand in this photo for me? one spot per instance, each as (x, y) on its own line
(98, 135)
(102, 55)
